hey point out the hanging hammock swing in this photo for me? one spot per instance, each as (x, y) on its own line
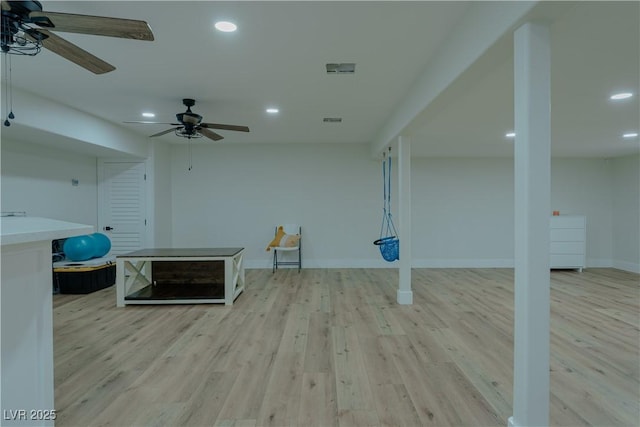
(388, 242)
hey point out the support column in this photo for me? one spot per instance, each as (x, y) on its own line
(532, 206)
(405, 294)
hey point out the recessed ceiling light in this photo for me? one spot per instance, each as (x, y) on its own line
(630, 135)
(272, 110)
(148, 115)
(510, 135)
(226, 26)
(621, 95)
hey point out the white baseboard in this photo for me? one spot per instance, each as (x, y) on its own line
(329, 263)
(599, 263)
(433, 263)
(380, 263)
(404, 297)
(463, 263)
(631, 267)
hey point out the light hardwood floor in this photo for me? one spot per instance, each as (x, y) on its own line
(331, 347)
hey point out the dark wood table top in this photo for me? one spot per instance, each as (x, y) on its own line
(182, 252)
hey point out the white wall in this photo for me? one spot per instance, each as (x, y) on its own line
(462, 212)
(462, 209)
(626, 212)
(236, 194)
(37, 179)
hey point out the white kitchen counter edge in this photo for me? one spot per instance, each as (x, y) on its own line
(16, 230)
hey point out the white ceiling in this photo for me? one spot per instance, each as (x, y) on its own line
(278, 55)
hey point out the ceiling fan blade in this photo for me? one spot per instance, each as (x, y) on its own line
(145, 122)
(164, 132)
(96, 25)
(224, 127)
(210, 134)
(71, 52)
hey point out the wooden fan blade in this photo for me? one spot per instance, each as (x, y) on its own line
(210, 134)
(72, 52)
(152, 123)
(163, 132)
(224, 127)
(96, 25)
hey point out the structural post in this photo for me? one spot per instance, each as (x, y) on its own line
(532, 206)
(405, 294)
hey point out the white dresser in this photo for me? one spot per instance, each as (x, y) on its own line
(568, 241)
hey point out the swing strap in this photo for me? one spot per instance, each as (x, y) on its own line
(387, 222)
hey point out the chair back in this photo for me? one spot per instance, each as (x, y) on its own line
(291, 229)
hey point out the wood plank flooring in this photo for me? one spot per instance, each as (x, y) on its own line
(332, 348)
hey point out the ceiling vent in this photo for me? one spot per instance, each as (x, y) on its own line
(332, 120)
(343, 68)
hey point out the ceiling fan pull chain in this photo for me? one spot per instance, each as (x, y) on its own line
(6, 89)
(190, 155)
(11, 116)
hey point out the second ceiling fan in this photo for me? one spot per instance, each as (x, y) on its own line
(189, 125)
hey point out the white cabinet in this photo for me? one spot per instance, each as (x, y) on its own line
(568, 241)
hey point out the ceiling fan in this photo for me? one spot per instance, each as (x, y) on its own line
(189, 125)
(26, 28)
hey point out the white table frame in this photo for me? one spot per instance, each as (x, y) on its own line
(133, 269)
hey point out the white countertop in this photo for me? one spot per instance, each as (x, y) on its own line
(17, 229)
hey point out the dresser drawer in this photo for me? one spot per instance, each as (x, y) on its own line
(567, 260)
(567, 221)
(563, 248)
(567, 234)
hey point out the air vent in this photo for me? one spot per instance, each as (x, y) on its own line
(332, 120)
(343, 68)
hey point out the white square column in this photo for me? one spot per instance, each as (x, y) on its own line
(405, 294)
(532, 63)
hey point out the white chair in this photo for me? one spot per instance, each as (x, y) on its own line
(288, 229)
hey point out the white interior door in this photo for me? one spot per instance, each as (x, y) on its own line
(122, 205)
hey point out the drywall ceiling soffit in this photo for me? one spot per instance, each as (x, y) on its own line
(21, 134)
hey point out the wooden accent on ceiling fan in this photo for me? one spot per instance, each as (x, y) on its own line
(147, 122)
(210, 134)
(97, 25)
(225, 127)
(164, 132)
(73, 53)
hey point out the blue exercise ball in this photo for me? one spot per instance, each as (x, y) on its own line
(79, 248)
(103, 244)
